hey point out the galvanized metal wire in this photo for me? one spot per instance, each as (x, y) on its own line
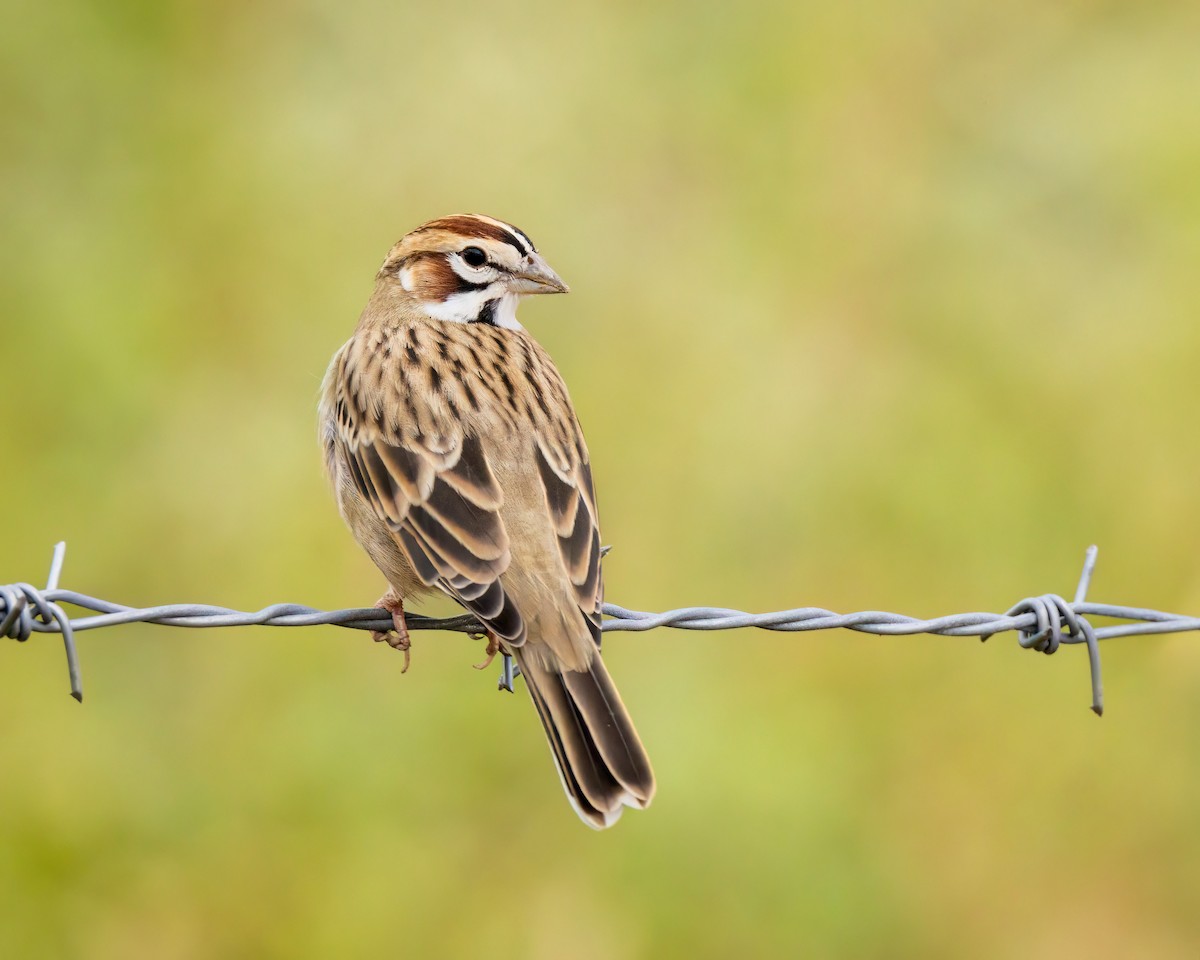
(1042, 623)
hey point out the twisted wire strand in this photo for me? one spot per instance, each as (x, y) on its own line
(1042, 623)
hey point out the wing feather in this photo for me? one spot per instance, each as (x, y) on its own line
(571, 502)
(472, 477)
(440, 499)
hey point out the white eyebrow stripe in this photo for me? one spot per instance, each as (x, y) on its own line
(523, 236)
(523, 243)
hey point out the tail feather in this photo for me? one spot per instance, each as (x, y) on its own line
(596, 697)
(601, 761)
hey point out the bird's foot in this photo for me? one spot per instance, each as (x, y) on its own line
(492, 648)
(510, 671)
(397, 638)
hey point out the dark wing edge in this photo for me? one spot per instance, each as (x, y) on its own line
(571, 500)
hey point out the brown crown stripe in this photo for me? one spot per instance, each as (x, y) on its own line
(468, 227)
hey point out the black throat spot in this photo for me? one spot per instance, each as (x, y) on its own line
(487, 314)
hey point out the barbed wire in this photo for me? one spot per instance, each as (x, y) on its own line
(1042, 623)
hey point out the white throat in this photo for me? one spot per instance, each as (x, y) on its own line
(468, 306)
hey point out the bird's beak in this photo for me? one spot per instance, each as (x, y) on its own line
(535, 276)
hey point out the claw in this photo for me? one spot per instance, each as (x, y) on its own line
(492, 648)
(397, 638)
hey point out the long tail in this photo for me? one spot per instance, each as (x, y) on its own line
(601, 761)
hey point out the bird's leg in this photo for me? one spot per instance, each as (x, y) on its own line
(397, 637)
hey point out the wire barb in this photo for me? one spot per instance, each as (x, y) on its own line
(1050, 613)
(1042, 623)
(19, 623)
(509, 672)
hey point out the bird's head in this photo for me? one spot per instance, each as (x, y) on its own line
(470, 269)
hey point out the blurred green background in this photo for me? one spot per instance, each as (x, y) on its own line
(874, 306)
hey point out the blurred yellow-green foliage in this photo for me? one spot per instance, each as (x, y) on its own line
(884, 306)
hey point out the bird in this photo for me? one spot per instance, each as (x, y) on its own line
(458, 463)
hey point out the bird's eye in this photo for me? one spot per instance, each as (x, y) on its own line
(474, 257)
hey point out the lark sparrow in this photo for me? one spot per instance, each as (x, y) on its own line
(459, 465)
